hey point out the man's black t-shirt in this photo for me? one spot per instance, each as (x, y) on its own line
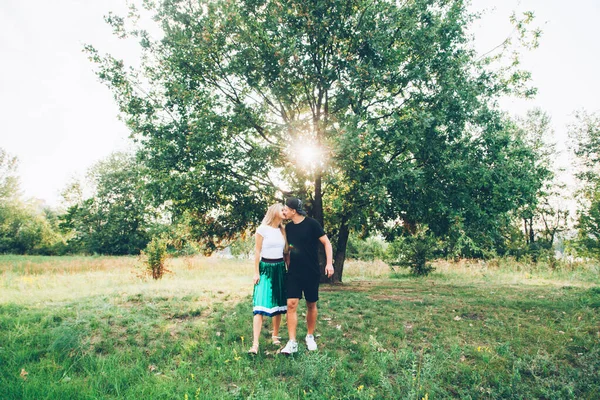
(303, 240)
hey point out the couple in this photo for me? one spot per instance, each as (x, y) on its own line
(275, 292)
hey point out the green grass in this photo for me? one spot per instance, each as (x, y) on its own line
(92, 328)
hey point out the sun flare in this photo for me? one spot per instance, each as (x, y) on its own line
(309, 156)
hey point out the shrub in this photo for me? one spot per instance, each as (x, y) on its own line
(414, 252)
(156, 254)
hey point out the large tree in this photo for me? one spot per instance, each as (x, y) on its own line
(371, 110)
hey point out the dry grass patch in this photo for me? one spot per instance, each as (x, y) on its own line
(509, 272)
(44, 265)
(356, 269)
(38, 280)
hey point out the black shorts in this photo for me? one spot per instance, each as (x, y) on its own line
(297, 284)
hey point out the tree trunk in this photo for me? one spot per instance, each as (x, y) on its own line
(531, 233)
(317, 205)
(340, 251)
(317, 213)
(410, 225)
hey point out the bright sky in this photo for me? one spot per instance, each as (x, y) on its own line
(58, 119)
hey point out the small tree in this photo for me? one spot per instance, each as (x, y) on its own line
(9, 182)
(544, 216)
(414, 251)
(156, 254)
(585, 139)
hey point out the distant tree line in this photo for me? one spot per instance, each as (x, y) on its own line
(114, 210)
(109, 212)
(25, 226)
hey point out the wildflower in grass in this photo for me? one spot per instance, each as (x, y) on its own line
(197, 396)
(186, 397)
(242, 340)
(483, 349)
(426, 397)
(192, 376)
(360, 388)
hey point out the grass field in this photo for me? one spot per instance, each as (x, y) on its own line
(94, 328)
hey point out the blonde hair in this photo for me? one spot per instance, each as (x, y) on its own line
(271, 216)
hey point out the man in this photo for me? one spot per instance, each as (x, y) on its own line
(303, 236)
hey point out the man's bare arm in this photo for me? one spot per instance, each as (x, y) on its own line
(328, 255)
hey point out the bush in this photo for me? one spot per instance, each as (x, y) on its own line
(156, 254)
(414, 252)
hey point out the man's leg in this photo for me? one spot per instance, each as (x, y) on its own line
(294, 293)
(292, 317)
(312, 296)
(292, 322)
(311, 317)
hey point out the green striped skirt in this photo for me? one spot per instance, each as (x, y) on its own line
(269, 293)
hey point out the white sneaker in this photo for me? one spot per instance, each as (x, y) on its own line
(290, 348)
(310, 343)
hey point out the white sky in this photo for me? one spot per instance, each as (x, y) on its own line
(58, 119)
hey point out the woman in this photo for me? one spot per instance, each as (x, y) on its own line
(269, 274)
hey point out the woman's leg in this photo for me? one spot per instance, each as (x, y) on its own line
(276, 324)
(257, 325)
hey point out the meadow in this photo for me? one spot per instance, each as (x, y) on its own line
(97, 328)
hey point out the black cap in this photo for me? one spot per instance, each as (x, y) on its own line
(295, 204)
